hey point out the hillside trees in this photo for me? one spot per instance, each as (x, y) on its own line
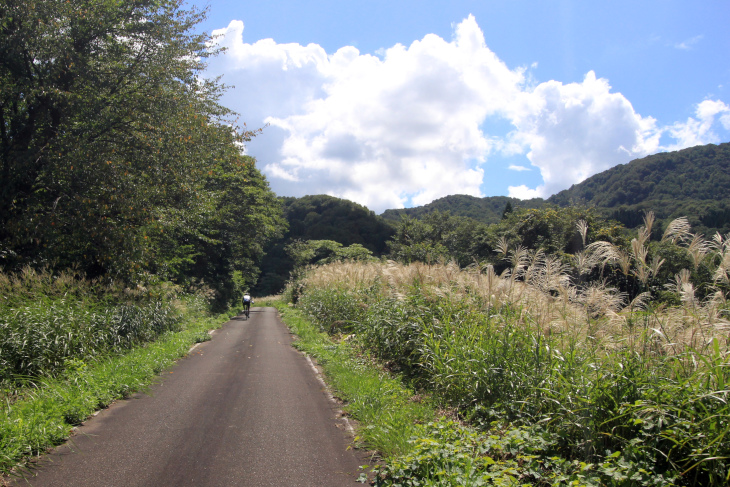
(321, 218)
(115, 155)
(691, 182)
(440, 235)
(669, 266)
(485, 210)
(553, 229)
(309, 252)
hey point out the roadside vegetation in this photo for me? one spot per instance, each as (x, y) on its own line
(129, 212)
(559, 347)
(70, 346)
(551, 375)
(387, 411)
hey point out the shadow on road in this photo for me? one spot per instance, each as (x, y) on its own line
(242, 317)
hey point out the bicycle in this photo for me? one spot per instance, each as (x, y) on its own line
(247, 301)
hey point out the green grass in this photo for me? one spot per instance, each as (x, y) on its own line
(420, 447)
(38, 338)
(44, 411)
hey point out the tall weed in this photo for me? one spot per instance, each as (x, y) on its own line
(49, 320)
(613, 384)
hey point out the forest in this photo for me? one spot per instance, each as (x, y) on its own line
(130, 218)
(692, 182)
(468, 229)
(554, 346)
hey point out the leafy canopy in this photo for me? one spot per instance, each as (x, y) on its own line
(115, 154)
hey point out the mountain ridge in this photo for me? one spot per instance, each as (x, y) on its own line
(692, 182)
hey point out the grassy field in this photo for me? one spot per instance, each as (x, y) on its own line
(551, 383)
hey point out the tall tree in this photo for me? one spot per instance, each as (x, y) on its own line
(109, 138)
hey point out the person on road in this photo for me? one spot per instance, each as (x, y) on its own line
(247, 303)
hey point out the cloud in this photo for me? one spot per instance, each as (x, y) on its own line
(699, 131)
(576, 130)
(408, 126)
(524, 193)
(688, 44)
(404, 128)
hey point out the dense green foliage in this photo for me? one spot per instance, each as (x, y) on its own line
(49, 322)
(323, 217)
(693, 182)
(311, 252)
(484, 210)
(41, 414)
(633, 262)
(552, 405)
(469, 229)
(44, 337)
(115, 155)
(320, 218)
(437, 236)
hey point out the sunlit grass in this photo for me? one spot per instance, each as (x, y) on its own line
(45, 411)
(69, 346)
(608, 380)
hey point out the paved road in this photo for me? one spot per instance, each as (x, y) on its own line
(244, 409)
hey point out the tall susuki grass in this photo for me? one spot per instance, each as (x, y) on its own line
(42, 337)
(637, 392)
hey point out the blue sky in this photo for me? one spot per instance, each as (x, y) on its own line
(397, 103)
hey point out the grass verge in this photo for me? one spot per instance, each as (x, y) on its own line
(49, 408)
(387, 413)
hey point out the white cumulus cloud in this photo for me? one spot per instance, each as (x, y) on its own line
(576, 130)
(406, 126)
(699, 131)
(386, 131)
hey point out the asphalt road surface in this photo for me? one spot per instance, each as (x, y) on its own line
(244, 409)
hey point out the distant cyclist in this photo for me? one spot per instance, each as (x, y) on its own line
(247, 304)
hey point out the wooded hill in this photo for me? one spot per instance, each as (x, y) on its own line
(320, 217)
(693, 182)
(485, 210)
